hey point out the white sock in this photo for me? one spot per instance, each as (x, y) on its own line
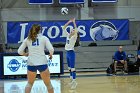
(74, 80)
(71, 77)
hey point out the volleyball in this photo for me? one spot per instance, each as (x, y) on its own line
(64, 10)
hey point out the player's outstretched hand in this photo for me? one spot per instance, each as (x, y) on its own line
(26, 54)
(73, 20)
(50, 56)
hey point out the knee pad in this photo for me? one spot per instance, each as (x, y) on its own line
(49, 86)
(73, 70)
(69, 68)
(29, 85)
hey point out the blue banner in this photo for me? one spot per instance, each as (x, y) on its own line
(104, 1)
(40, 1)
(89, 30)
(71, 1)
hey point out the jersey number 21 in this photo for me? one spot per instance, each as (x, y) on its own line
(36, 43)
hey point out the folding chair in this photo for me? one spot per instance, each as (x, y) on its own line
(131, 58)
(131, 62)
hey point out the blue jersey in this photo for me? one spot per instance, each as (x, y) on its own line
(120, 55)
(138, 53)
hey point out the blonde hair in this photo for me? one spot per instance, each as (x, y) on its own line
(35, 29)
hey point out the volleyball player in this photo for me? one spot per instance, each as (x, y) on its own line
(70, 54)
(36, 44)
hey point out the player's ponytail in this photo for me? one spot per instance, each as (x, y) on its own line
(35, 29)
(77, 43)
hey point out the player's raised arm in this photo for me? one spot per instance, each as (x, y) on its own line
(75, 26)
(67, 23)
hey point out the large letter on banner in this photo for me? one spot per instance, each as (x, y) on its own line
(89, 30)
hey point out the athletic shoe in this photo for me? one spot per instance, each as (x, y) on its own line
(125, 72)
(70, 83)
(114, 73)
(73, 85)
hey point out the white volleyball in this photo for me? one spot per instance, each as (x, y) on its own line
(64, 10)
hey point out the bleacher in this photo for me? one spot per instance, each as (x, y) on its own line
(98, 58)
(93, 58)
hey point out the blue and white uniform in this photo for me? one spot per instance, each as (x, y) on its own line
(36, 49)
(70, 54)
(70, 41)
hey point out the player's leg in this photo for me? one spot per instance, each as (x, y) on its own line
(45, 75)
(115, 66)
(68, 62)
(125, 66)
(31, 75)
(72, 64)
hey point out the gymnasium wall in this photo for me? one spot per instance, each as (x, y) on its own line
(99, 57)
(20, 10)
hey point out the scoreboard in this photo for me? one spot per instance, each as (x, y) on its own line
(40, 1)
(108, 1)
(71, 1)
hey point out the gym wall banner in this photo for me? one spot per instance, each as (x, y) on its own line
(89, 30)
(17, 65)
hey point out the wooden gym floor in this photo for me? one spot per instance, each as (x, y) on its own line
(87, 83)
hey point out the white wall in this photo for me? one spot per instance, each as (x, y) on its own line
(20, 10)
(36, 14)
